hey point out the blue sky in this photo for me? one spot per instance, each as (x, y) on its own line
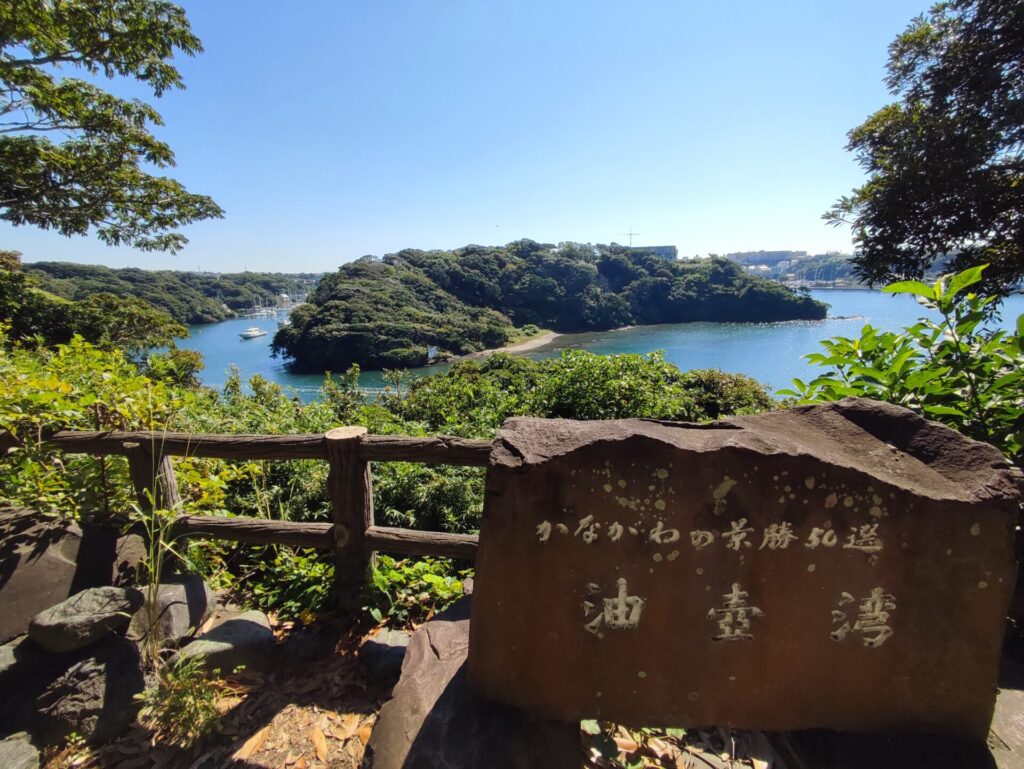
(329, 130)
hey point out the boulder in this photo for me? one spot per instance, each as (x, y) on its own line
(129, 551)
(93, 695)
(180, 605)
(44, 560)
(18, 752)
(383, 654)
(240, 640)
(19, 658)
(84, 618)
(434, 720)
(307, 644)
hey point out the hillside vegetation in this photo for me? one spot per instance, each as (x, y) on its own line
(386, 312)
(188, 297)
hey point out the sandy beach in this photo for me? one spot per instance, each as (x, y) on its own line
(530, 344)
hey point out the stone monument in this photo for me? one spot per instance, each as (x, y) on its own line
(845, 566)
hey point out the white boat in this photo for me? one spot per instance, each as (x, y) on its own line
(252, 333)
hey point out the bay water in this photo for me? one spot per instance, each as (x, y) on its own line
(769, 352)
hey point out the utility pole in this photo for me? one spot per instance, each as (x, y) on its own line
(630, 235)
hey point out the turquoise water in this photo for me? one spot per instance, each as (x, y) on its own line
(769, 352)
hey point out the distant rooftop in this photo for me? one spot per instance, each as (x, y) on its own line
(665, 252)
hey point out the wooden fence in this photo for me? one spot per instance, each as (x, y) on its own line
(353, 535)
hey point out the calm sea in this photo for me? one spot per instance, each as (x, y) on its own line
(769, 352)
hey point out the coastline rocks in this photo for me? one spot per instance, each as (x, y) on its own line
(84, 618)
(242, 639)
(180, 606)
(434, 720)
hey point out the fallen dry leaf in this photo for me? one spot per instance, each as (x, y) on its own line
(364, 734)
(224, 704)
(349, 724)
(252, 744)
(626, 745)
(319, 743)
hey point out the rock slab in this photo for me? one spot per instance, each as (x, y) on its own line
(43, 561)
(18, 752)
(84, 618)
(845, 566)
(244, 639)
(434, 721)
(174, 610)
(383, 654)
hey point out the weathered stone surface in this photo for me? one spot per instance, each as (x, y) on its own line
(181, 604)
(18, 752)
(845, 566)
(93, 695)
(307, 644)
(129, 552)
(243, 639)
(84, 618)
(383, 654)
(43, 561)
(434, 721)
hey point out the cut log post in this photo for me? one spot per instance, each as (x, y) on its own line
(152, 476)
(351, 492)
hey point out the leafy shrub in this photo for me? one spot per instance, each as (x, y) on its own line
(959, 370)
(296, 583)
(406, 592)
(182, 708)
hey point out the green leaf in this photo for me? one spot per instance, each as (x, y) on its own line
(911, 287)
(590, 726)
(962, 280)
(944, 410)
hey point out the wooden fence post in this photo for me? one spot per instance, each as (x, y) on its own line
(153, 478)
(351, 492)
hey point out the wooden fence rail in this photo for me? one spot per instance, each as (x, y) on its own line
(353, 535)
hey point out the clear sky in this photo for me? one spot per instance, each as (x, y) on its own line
(334, 128)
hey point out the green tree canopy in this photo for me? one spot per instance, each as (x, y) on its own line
(72, 154)
(945, 164)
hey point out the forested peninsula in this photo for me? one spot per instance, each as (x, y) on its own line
(385, 312)
(188, 297)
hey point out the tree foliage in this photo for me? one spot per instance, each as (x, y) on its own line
(959, 370)
(71, 153)
(944, 162)
(188, 297)
(106, 320)
(386, 312)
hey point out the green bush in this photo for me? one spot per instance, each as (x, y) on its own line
(407, 592)
(182, 708)
(959, 370)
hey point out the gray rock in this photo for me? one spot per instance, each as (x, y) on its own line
(182, 603)
(307, 644)
(25, 669)
(84, 618)
(43, 561)
(129, 552)
(243, 639)
(383, 654)
(7, 657)
(18, 752)
(434, 720)
(93, 695)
